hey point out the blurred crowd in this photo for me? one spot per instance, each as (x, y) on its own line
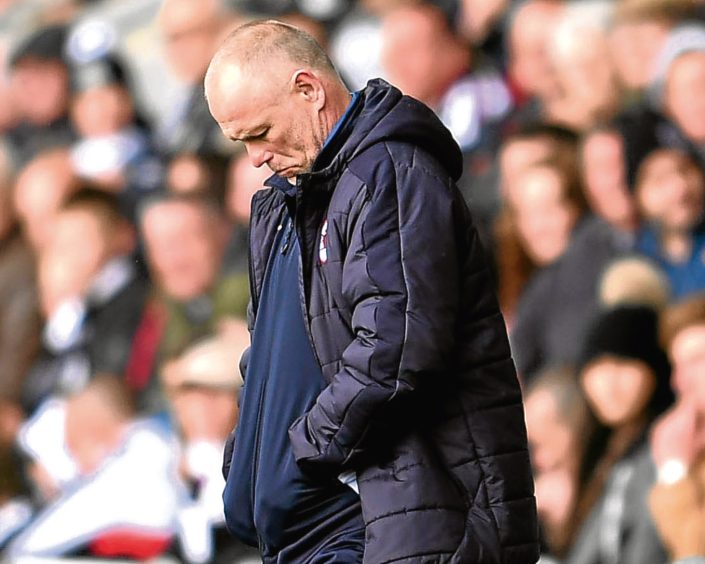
(124, 276)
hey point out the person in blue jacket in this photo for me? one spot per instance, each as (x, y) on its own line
(381, 419)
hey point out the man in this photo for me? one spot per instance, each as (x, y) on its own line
(40, 89)
(377, 342)
(191, 31)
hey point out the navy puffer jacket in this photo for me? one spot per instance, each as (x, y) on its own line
(422, 397)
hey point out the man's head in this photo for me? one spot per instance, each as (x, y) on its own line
(40, 78)
(670, 189)
(638, 33)
(102, 103)
(420, 53)
(96, 421)
(532, 144)
(603, 168)
(185, 237)
(530, 31)
(87, 232)
(191, 29)
(272, 87)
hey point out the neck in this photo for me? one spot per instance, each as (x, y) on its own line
(676, 244)
(340, 100)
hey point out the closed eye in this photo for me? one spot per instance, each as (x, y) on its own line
(255, 137)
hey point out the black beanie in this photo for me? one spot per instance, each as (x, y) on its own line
(630, 332)
(46, 44)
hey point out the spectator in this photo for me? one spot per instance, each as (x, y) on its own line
(678, 87)
(570, 250)
(580, 52)
(639, 31)
(560, 429)
(41, 187)
(479, 23)
(124, 503)
(425, 59)
(603, 169)
(531, 25)
(115, 149)
(91, 295)
(678, 441)
(529, 145)
(671, 195)
(625, 376)
(190, 173)
(202, 385)
(185, 239)
(40, 88)
(191, 32)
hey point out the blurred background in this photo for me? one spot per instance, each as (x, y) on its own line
(124, 276)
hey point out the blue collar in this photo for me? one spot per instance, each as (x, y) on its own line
(281, 183)
(341, 121)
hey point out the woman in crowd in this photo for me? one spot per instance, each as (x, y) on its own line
(625, 376)
(570, 249)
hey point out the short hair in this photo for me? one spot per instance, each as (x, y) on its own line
(540, 130)
(683, 156)
(254, 43)
(100, 203)
(686, 313)
(667, 11)
(203, 202)
(112, 393)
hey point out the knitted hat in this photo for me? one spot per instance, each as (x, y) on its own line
(630, 332)
(685, 38)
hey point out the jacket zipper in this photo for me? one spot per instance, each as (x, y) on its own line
(285, 245)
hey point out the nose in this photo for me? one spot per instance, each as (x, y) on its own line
(258, 156)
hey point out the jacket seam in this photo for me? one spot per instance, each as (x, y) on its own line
(404, 277)
(415, 510)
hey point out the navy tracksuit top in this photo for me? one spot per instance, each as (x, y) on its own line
(268, 500)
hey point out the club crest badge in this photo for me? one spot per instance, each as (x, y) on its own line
(323, 244)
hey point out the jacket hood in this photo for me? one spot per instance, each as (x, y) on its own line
(381, 114)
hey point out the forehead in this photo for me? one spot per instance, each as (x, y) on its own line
(689, 62)
(666, 162)
(173, 216)
(238, 99)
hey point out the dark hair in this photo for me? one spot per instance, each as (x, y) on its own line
(204, 202)
(98, 202)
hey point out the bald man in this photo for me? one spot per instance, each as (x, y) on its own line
(381, 418)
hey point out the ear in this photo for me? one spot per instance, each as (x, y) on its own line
(310, 87)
